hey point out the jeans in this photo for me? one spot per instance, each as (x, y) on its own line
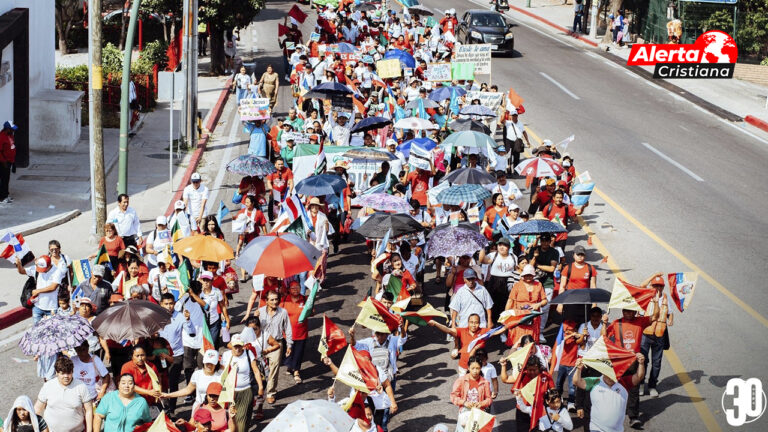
(564, 376)
(38, 314)
(241, 93)
(174, 376)
(381, 418)
(655, 344)
(577, 22)
(215, 329)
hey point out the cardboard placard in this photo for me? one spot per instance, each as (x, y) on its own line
(488, 99)
(479, 54)
(388, 68)
(254, 109)
(463, 71)
(438, 72)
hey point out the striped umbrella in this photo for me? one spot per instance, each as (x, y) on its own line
(539, 167)
(280, 255)
(463, 194)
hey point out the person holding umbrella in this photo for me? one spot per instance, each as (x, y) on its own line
(254, 223)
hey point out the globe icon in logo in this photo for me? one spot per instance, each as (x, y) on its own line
(717, 47)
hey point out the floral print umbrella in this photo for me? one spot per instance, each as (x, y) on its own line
(251, 165)
(455, 241)
(54, 334)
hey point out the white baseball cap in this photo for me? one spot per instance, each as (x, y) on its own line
(179, 205)
(211, 357)
(206, 275)
(195, 177)
(161, 220)
(236, 340)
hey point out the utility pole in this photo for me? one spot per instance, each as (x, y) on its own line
(95, 132)
(189, 67)
(122, 157)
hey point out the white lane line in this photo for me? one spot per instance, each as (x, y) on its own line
(225, 159)
(673, 162)
(560, 86)
(744, 131)
(610, 63)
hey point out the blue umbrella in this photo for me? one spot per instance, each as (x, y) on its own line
(478, 110)
(319, 185)
(370, 123)
(536, 226)
(405, 59)
(425, 143)
(344, 47)
(463, 194)
(443, 93)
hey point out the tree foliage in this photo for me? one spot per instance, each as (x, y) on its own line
(169, 10)
(222, 15)
(752, 25)
(67, 12)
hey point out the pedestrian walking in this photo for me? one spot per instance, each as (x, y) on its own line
(7, 160)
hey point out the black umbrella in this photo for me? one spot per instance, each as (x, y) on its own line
(131, 319)
(536, 226)
(585, 296)
(370, 123)
(365, 7)
(468, 176)
(463, 225)
(326, 90)
(469, 125)
(376, 226)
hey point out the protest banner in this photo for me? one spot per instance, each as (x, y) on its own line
(254, 109)
(297, 137)
(488, 99)
(463, 71)
(479, 54)
(360, 172)
(314, 37)
(388, 68)
(438, 72)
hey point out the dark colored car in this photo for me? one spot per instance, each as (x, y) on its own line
(479, 26)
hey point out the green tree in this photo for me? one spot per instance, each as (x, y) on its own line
(751, 28)
(222, 15)
(169, 11)
(67, 12)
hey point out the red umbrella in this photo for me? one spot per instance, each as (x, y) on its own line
(279, 255)
(539, 167)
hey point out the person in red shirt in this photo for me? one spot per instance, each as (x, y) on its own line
(449, 22)
(571, 342)
(254, 224)
(137, 368)
(557, 208)
(542, 197)
(465, 335)
(578, 274)
(251, 186)
(7, 160)
(419, 181)
(293, 303)
(281, 181)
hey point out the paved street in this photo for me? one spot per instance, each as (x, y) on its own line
(679, 190)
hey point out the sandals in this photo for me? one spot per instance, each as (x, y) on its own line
(297, 378)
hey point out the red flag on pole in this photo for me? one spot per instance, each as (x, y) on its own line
(297, 14)
(332, 338)
(282, 30)
(538, 407)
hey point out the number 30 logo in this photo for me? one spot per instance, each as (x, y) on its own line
(749, 401)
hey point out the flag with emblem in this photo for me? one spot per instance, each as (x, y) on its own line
(355, 405)
(630, 297)
(357, 371)
(423, 316)
(682, 286)
(609, 359)
(480, 421)
(332, 338)
(16, 248)
(377, 317)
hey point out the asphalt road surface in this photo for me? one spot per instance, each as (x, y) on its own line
(679, 190)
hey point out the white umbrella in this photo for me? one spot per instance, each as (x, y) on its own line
(414, 123)
(311, 416)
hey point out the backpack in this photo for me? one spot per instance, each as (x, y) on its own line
(567, 271)
(26, 292)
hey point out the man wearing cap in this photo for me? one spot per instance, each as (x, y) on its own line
(337, 129)
(195, 197)
(506, 188)
(126, 221)
(215, 306)
(579, 274)
(396, 165)
(542, 195)
(7, 159)
(655, 336)
(471, 298)
(557, 209)
(157, 240)
(514, 132)
(498, 160)
(48, 278)
(96, 289)
(288, 152)
(180, 216)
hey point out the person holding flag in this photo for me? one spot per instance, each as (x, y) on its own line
(464, 336)
(609, 398)
(384, 349)
(294, 303)
(144, 374)
(656, 336)
(471, 390)
(493, 215)
(245, 366)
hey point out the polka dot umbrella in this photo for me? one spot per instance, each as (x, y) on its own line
(311, 416)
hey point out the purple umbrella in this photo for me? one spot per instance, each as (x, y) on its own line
(55, 334)
(383, 202)
(455, 241)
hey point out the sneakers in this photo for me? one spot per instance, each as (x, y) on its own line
(652, 392)
(7, 200)
(636, 423)
(571, 407)
(542, 340)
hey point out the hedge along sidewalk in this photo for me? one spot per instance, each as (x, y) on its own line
(147, 185)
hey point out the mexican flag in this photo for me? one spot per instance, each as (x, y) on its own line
(609, 359)
(423, 316)
(627, 296)
(332, 338)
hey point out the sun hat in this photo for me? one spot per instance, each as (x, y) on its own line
(528, 270)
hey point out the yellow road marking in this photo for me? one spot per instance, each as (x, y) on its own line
(707, 417)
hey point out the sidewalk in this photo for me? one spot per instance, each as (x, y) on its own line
(738, 98)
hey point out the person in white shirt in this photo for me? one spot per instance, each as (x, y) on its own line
(471, 299)
(319, 236)
(90, 370)
(195, 197)
(412, 92)
(336, 127)
(556, 418)
(498, 160)
(506, 188)
(214, 301)
(157, 240)
(181, 217)
(246, 364)
(395, 165)
(47, 280)
(609, 398)
(64, 402)
(126, 221)
(513, 139)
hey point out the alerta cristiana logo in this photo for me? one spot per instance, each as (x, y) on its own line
(713, 55)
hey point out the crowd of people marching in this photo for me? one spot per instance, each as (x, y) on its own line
(497, 296)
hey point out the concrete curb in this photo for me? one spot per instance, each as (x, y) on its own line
(559, 27)
(756, 122)
(213, 120)
(42, 225)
